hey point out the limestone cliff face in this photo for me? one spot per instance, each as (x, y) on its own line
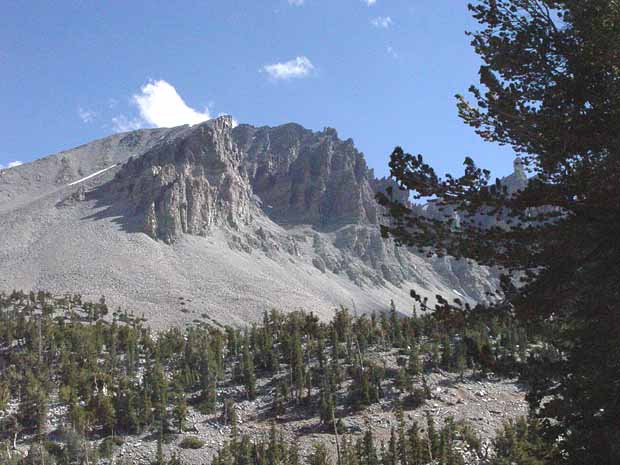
(212, 174)
(287, 192)
(289, 214)
(305, 177)
(189, 184)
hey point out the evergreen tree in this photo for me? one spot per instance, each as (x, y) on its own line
(433, 437)
(414, 367)
(551, 90)
(159, 454)
(521, 441)
(180, 411)
(249, 377)
(390, 455)
(33, 406)
(368, 450)
(319, 456)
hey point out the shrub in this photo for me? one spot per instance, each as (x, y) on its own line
(416, 399)
(191, 442)
(106, 447)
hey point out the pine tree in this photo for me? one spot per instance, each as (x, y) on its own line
(402, 453)
(395, 335)
(390, 455)
(413, 365)
(446, 354)
(418, 447)
(146, 410)
(368, 449)
(433, 437)
(33, 406)
(249, 377)
(319, 456)
(276, 449)
(105, 413)
(180, 411)
(403, 381)
(550, 88)
(159, 454)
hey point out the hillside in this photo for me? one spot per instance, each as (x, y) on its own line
(233, 220)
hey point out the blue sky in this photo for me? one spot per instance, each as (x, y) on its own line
(382, 72)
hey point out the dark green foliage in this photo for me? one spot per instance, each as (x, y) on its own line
(249, 376)
(106, 447)
(368, 451)
(116, 378)
(550, 88)
(191, 442)
(33, 405)
(522, 441)
(319, 456)
(180, 412)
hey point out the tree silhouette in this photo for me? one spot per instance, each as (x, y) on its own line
(550, 88)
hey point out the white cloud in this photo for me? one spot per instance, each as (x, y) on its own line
(86, 116)
(11, 164)
(296, 68)
(369, 2)
(392, 52)
(382, 21)
(160, 105)
(296, 2)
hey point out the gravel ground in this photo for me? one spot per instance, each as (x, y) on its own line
(484, 404)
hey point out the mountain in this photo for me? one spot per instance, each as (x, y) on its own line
(215, 222)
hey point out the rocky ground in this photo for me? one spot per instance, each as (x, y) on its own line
(485, 404)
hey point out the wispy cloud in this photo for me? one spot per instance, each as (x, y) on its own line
(87, 116)
(392, 52)
(298, 67)
(369, 2)
(11, 164)
(159, 105)
(296, 2)
(122, 123)
(382, 22)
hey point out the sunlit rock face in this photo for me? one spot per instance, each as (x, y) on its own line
(305, 177)
(189, 185)
(236, 220)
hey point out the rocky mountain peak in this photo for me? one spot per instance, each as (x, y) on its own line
(306, 177)
(517, 181)
(289, 215)
(188, 184)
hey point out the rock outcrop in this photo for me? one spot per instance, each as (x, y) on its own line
(305, 177)
(189, 184)
(234, 220)
(234, 179)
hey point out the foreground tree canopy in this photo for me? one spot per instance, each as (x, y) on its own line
(550, 88)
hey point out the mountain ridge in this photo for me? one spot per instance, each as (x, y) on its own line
(236, 220)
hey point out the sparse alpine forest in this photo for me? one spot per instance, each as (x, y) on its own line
(77, 383)
(532, 377)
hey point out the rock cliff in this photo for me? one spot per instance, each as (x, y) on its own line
(234, 221)
(189, 184)
(305, 177)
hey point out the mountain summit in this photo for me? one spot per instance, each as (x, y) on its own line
(215, 222)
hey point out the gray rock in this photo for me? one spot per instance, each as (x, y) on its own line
(233, 219)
